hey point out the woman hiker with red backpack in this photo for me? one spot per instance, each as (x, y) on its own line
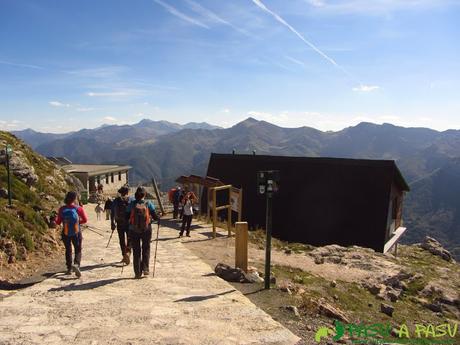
(120, 222)
(71, 216)
(141, 214)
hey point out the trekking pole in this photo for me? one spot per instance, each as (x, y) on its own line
(87, 227)
(156, 248)
(110, 238)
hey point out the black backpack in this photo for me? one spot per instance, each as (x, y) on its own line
(121, 206)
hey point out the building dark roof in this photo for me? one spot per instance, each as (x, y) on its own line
(336, 162)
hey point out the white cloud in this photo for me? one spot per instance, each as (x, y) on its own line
(9, 125)
(85, 109)
(225, 110)
(316, 3)
(279, 19)
(175, 12)
(99, 72)
(374, 7)
(59, 104)
(390, 118)
(14, 64)
(210, 15)
(298, 62)
(110, 119)
(108, 94)
(366, 88)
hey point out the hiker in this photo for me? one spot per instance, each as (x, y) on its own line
(177, 197)
(120, 222)
(187, 205)
(100, 188)
(141, 214)
(98, 209)
(108, 208)
(71, 216)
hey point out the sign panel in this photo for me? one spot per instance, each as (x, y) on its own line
(235, 199)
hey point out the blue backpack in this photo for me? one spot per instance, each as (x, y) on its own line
(70, 221)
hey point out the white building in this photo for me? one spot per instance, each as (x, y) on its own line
(111, 177)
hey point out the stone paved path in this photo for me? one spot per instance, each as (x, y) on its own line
(184, 304)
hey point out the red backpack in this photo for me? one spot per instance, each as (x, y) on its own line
(139, 218)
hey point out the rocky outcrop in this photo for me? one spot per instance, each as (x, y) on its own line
(435, 248)
(19, 166)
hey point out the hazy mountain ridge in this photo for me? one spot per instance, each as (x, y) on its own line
(110, 134)
(425, 157)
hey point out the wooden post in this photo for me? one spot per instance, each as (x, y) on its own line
(214, 213)
(208, 206)
(229, 213)
(157, 194)
(241, 245)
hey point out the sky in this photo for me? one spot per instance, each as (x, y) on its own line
(328, 64)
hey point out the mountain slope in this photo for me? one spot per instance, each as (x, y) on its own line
(419, 153)
(38, 186)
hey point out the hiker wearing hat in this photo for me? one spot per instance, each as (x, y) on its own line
(71, 216)
(141, 214)
(177, 197)
(120, 222)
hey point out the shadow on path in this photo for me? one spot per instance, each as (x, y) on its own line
(87, 286)
(203, 298)
(96, 266)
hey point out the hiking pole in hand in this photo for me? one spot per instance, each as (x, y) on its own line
(156, 248)
(113, 229)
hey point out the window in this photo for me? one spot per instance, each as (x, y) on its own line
(119, 176)
(107, 178)
(111, 178)
(98, 180)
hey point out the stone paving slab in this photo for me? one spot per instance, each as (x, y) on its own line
(184, 304)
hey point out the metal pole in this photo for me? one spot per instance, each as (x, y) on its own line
(268, 245)
(10, 203)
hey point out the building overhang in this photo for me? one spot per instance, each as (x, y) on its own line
(95, 170)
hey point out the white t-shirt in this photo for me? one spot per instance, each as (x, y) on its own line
(188, 208)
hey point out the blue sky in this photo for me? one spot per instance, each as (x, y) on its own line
(328, 64)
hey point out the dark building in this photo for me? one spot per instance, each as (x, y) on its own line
(321, 201)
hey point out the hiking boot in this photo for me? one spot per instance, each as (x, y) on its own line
(126, 259)
(138, 276)
(76, 269)
(188, 235)
(146, 273)
(68, 272)
(180, 235)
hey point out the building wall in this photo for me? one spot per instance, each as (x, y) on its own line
(111, 182)
(320, 202)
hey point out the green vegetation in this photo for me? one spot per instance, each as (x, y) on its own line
(24, 223)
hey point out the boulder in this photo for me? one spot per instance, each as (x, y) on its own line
(330, 311)
(230, 274)
(3, 193)
(22, 170)
(435, 248)
(387, 309)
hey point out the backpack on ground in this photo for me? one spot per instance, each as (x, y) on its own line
(70, 221)
(121, 206)
(140, 218)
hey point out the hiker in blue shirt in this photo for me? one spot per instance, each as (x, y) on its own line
(141, 214)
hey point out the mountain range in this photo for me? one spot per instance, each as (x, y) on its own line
(428, 159)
